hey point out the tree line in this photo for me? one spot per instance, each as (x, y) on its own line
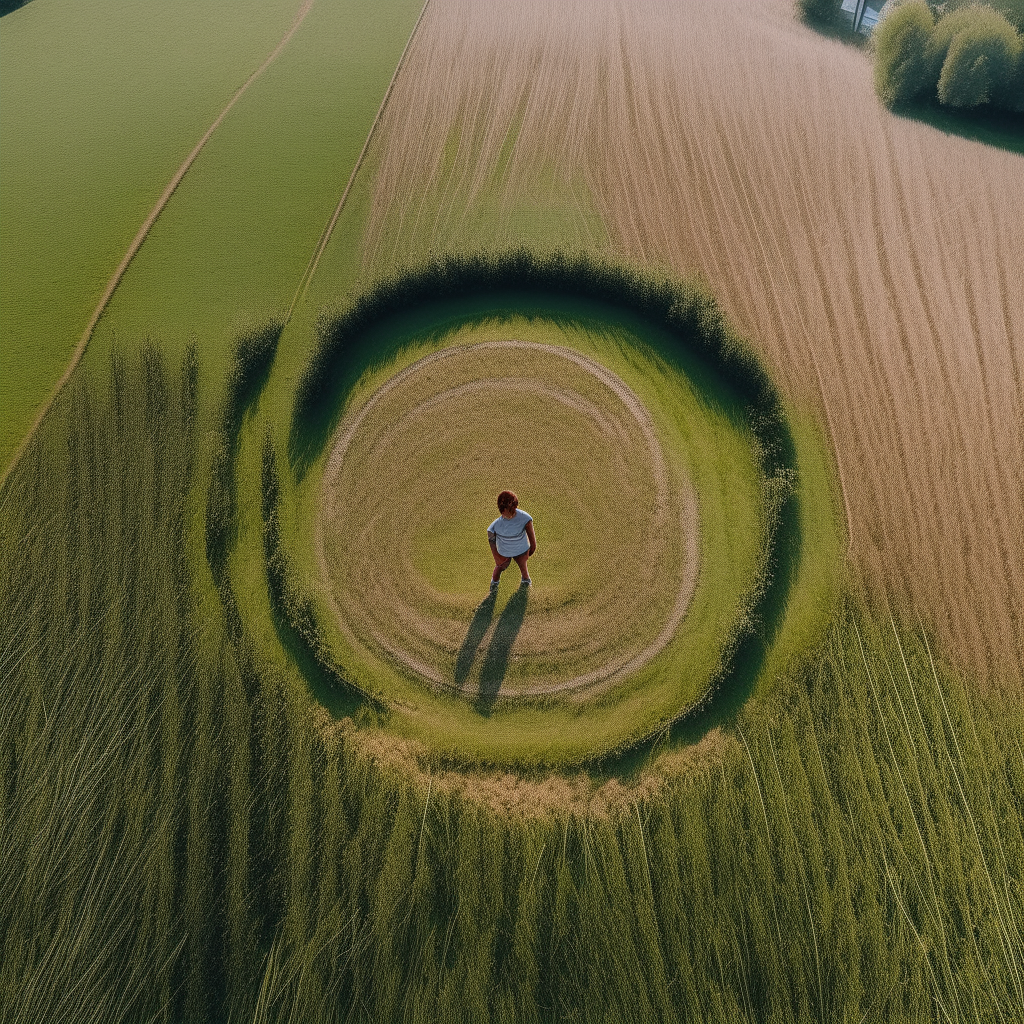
(963, 54)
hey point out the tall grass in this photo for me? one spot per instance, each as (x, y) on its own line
(293, 608)
(688, 312)
(173, 847)
(252, 355)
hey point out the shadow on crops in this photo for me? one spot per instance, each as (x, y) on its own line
(431, 323)
(339, 700)
(991, 126)
(252, 357)
(839, 27)
(499, 650)
(6, 6)
(729, 693)
(294, 618)
(474, 637)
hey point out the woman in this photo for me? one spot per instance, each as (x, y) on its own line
(511, 537)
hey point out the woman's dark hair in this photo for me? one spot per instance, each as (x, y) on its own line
(507, 500)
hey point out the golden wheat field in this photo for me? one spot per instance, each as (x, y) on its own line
(877, 263)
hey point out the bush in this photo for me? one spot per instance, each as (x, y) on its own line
(1013, 98)
(902, 40)
(980, 63)
(820, 12)
(972, 56)
(1012, 10)
(976, 51)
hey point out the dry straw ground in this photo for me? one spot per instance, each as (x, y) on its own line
(877, 263)
(409, 476)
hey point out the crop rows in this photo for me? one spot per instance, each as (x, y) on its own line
(182, 839)
(872, 260)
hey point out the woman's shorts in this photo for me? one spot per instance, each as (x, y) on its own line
(508, 558)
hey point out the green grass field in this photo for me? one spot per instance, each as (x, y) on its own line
(234, 242)
(222, 801)
(183, 840)
(699, 422)
(102, 102)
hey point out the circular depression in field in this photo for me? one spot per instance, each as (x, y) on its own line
(642, 465)
(409, 489)
(653, 451)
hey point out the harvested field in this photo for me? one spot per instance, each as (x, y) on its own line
(875, 262)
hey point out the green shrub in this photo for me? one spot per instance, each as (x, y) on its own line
(1012, 10)
(950, 24)
(1014, 96)
(979, 52)
(820, 12)
(902, 41)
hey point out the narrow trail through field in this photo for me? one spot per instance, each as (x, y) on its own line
(874, 260)
(328, 231)
(144, 230)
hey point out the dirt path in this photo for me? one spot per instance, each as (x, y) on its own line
(328, 231)
(143, 231)
(686, 515)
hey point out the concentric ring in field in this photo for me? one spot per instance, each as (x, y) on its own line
(409, 489)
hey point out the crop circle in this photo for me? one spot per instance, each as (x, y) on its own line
(639, 432)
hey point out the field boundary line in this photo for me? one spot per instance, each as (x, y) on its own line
(140, 237)
(325, 236)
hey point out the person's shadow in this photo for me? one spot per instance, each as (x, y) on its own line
(495, 665)
(477, 628)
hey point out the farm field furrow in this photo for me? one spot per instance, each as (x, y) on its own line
(875, 261)
(101, 103)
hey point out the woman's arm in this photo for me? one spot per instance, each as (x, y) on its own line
(494, 546)
(532, 536)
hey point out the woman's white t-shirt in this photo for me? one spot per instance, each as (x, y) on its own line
(510, 534)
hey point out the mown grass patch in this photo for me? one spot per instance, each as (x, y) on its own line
(102, 102)
(235, 240)
(414, 468)
(724, 428)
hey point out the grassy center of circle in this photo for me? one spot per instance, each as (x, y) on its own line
(411, 485)
(371, 630)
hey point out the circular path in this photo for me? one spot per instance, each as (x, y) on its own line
(408, 492)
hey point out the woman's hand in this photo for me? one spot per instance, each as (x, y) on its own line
(498, 559)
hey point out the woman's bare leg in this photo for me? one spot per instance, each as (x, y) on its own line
(521, 562)
(499, 568)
